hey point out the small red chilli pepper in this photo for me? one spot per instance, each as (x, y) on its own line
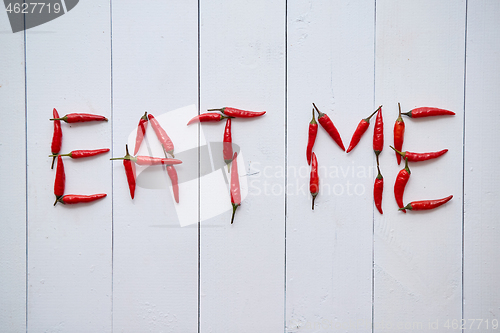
(205, 117)
(378, 133)
(427, 204)
(60, 181)
(378, 189)
(417, 157)
(227, 144)
(162, 136)
(148, 160)
(141, 131)
(399, 132)
(235, 187)
(330, 128)
(81, 117)
(83, 153)
(56, 138)
(237, 113)
(172, 173)
(129, 171)
(70, 199)
(314, 179)
(360, 130)
(428, 112)
(313, 132)
(400, 184)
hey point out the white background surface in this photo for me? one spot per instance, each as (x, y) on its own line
(122, 265)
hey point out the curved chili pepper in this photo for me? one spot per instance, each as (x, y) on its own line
(378, 189)
(235, 187)
(314, 179)
(129, 171)
(427, 204)
(328, 125)
(428, 112)
(399, 132)
(172, 173)
(227, 145)
(56, 138)
(417, 157)
(83, 153)
(237, 113)
(378, 133)
(162, 136)
(360, 130)
(141, 131)
(70, 199)
(81, 117)
(60, 181)
(313, 131)
(211, 116)
(399, 185)
(148, 160)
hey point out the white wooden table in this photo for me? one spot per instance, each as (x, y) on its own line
(122, 265)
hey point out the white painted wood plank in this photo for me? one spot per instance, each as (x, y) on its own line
(155, 69)
(420, 49)
(481, 225)
(12, 181)
(242, 265)
(329, 250)
(69, 247)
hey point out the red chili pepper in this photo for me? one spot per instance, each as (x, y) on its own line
(237, 113)
(141, 130)
(162, 136)
(81, 117)
(399, 185)
(60, 181)
(148, 160)
(56, 138)
(313, 131)
(428, 112)
(129, 171)
(378, 133)
(328, 125)
(399, 132)
(427, 204)
(378, 189)
(360, 130)
(235, 187)
(83, 153)
(74, 198)
(172, 173)
(314, 179)
(416, 157)
(227, 145)
(211, 116)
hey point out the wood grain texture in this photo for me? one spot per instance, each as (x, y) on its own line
(155, 69)
(242, 65)
(69, 247)
(481, 187)
(420, 50)
(325, 289)
(12, 181)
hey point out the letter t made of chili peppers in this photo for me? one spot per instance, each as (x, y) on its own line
(399, 132)
(235, 187)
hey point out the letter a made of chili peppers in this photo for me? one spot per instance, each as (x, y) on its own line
(399, 132)
(81, 117)
(360, 130)
(56, 138)
(400, 184)
(428, 112)
(417, 157)
(141, 130)
(378, 189)
(235, 186)
(313, 132)
(162, 136)
(227, 144)
(60, 181)
(427, 204)
(314, 179)
(378, 133)
(330, 128)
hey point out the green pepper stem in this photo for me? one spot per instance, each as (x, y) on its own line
(220, 110)
(53, 160)
(406, 165)
(368, 119)
(400, 153)
(313, 120)
(314, 198)
(408, 207)
(379, 176)
(320, 114)
(399, 117)
(234, 211)
(145, 116)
